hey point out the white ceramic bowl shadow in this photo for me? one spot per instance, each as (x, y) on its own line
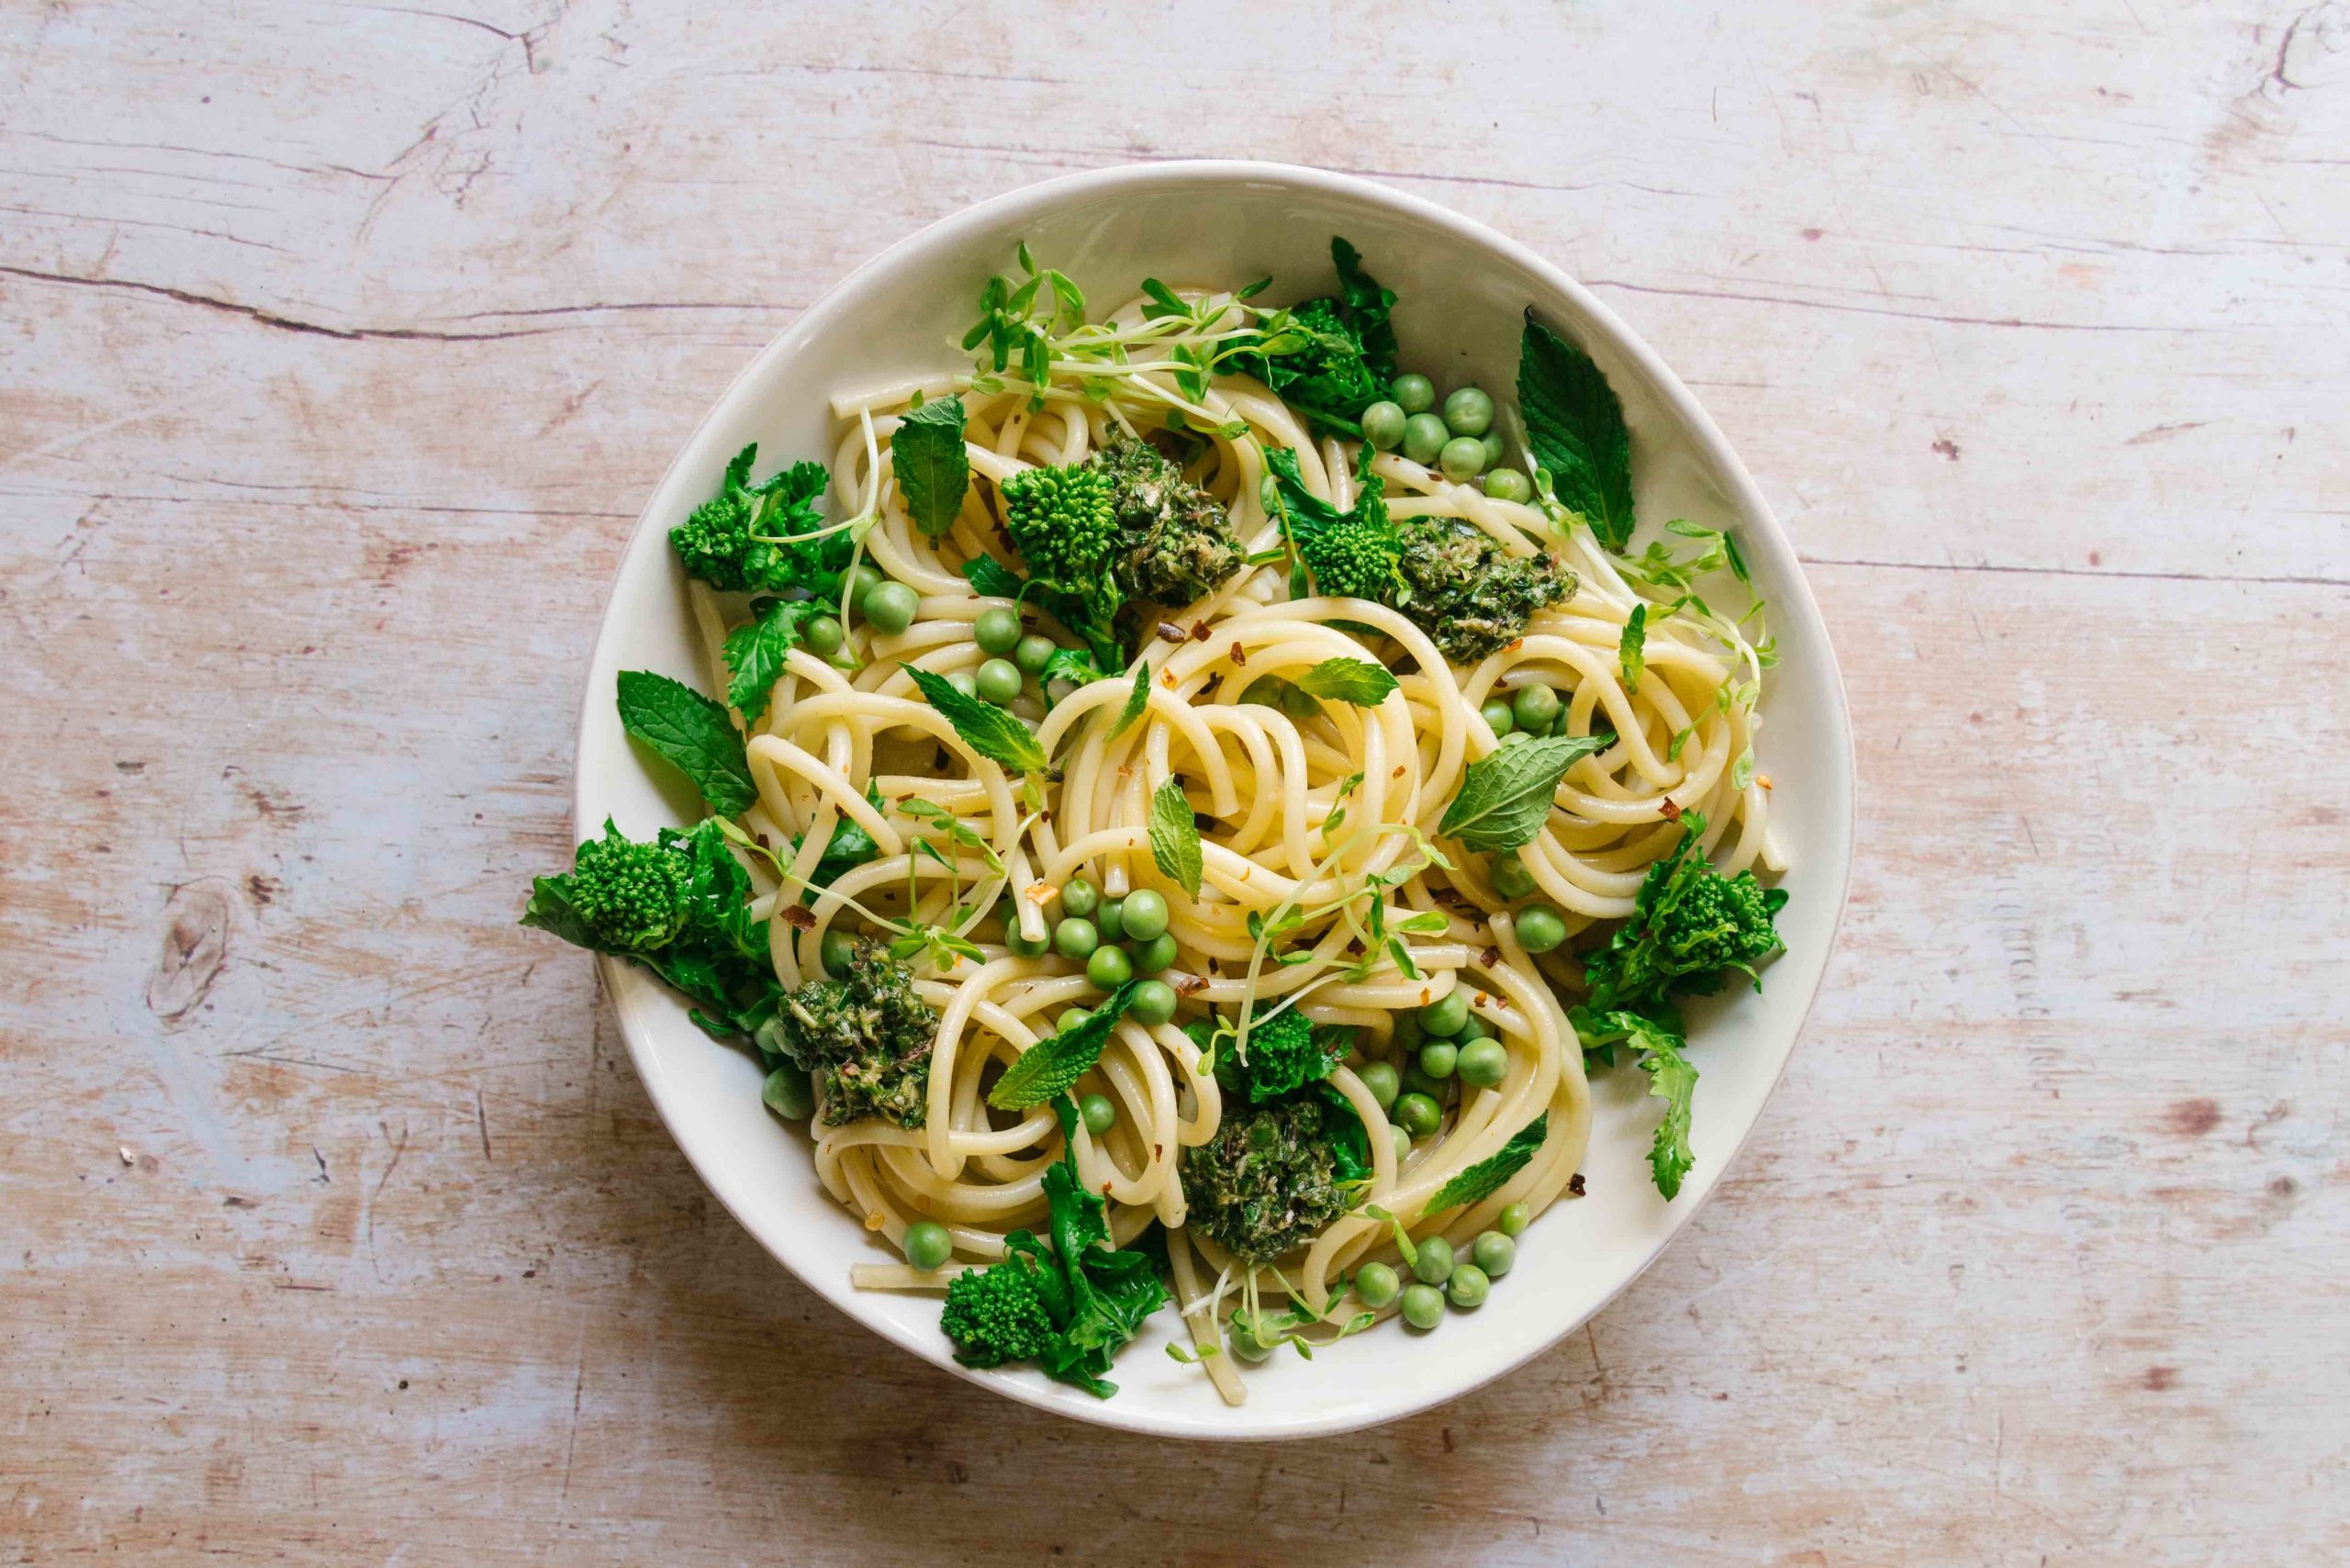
(1463, 289)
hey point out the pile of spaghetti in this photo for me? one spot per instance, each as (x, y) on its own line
(1187, 806)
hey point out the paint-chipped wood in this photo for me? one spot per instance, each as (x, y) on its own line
(338, 349)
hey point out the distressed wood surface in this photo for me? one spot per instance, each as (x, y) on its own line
(339, 345)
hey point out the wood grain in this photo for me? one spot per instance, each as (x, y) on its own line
(339, 345)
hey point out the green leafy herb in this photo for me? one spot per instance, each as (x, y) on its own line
(1506, 796)
(1352, 553)
(985, 728)
(1631, 648)
(1050, 1066)
(1330, 357)
(1575, 427)
(1363, 684)
(1671, 1078)
(1485, 1179)
(1690, 927)
(1175, 836)
(1136, 700)
(931, 467)
(694, 733)
(754, 650)
(766, 537)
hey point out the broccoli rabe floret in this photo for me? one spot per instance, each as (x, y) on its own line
(1471, 596)
(865, 1037)
(1287, 1051)
(1061, 520)
(631, 895)
(1353, 553)
(1269, 1178)
(997, 1313)
(1175, 544)
(727, 541)
(1690, 927)
(1333, 356)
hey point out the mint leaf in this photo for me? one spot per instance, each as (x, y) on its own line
(932, 469)
(993, 577)
(1050, 1066)
(984, 727)
(1575, 427)
(1136, 700)
(1505, 799)
(1175, 837)
(754, 650)
(694, 733)
(1629, 648)
(1482, 1180)
(1363, 684)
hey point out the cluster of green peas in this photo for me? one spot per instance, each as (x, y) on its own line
(1444, 1041)
(1115, 940)
(1015, 654)
(887, 606)
(1459, 443)
(1441, 1277)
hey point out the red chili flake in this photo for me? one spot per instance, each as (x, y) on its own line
(799, 917)
(1239, 654)
(1191, 985)
(1171, 633)
(1199, 631)
(1490, 956)
(1668, 810)
(1574, 1185)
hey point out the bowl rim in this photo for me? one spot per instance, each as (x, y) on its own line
(627, 989)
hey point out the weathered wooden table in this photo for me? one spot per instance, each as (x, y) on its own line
(339, 345)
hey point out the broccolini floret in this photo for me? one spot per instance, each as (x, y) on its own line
(1284, 1052)
(731, 541)
(865, 1037)
(1351, 554)
(1690, 927)
(631, 895)
(1175, 543)
(997, 1313)
(1062, 522)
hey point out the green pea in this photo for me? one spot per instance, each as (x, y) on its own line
(1444, 1016)
(1540, 929)
(1483, 1063)
(787, 1093)
(1513, 1219)
(1492, 442)
(997, 631)
(1499, 717)
(1468, 1287)
(1432, 1260)
(890, 607)
(1439, 1057)
(1419, 1083)
(1022, 948)
(1111, 917)
(1423, 1306)
(1376, 1284)
(1153, 1003)
(1511, 878)
(964, 681)
(1475, 1029)
(824, 636)
(1296, 701)
(1401, 1141)
(863, 579)
(1537, 708)
(1382, 425)
(999, 682)
(1461, 458)
(1468, 411)
(1241, 1338)
(1424, 437)
(1078, 898)
(1071, 1018)
(1032, 652)
(1380, 1080)
(1100, 1112)
(1414, 394)
(836, 950)
(1144, 914)
(1408, 1034)
(1508, 485)
(1516, 738)
(1417, 1115)
(1492, 1252)
(1109, 967)
(1156, 955)
(1076, 938)
(926, 1245)
(1566, 713)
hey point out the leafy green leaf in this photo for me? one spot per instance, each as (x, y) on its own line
(984, 727)
(1050, 1066)
(1357, 681)
(1576, 428)
(1136, 700)
(1485, 1179)
(1671, 1078)
(1504, 798)
(754, 650)
(932, 469)
(993, 577)
(1632, 646)
(694, 733)
(1368, 307)
(1175, 837)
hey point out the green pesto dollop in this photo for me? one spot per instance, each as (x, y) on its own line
(1470, 596)
(1268, 1180)
(1175, 544)
(865, 1037)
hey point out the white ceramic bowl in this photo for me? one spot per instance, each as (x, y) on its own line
(1463, 289)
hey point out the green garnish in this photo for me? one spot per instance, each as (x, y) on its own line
(1175, 836)
(1485, 1178)
(1574, 426)
(754, 650)
(1506, 796)
(1355, 681)
(1050, 1066)
(1671, 1078)
(1631, 647)
(694, 733)
(931, 467)
(984, 727)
